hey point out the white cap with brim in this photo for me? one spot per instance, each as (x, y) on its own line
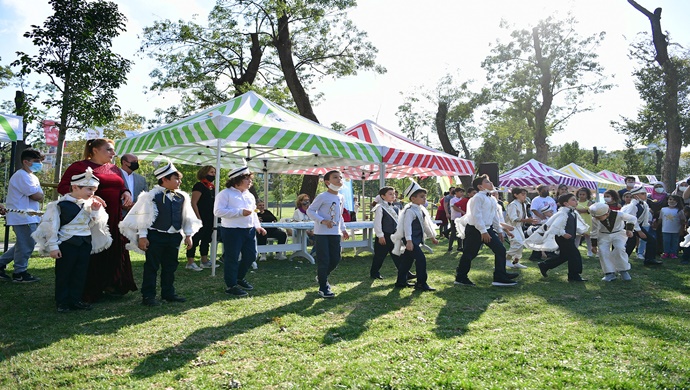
(165, 170)
(238, 172)
(598, 209)
(86, 179)
(411, 189)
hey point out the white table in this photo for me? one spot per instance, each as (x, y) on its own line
(299, 238)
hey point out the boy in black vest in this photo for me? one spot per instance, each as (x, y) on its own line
(385, 224)
(74, 227)
(155, 224)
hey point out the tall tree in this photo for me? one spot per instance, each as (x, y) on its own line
(545, 73)
(74, 52)
(669, 95)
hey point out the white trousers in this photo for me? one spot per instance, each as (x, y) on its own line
(517, 243)
(612, 256)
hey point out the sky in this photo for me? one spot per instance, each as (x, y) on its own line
(417, 45)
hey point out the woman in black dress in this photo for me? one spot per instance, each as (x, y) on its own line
(203, 195)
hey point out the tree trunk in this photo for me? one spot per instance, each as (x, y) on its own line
(283, 44)
(20, 146)
(441, 117)
(547, 99)
(462, 142)
(252, 68)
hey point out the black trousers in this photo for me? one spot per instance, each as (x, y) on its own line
(278, 234)
(416, 256)
(327, 257)
(70, 272)
(453, 235)
(163, 252)
(202, 239)
(649, 252)
(473, 243)
(569, 253)
(380, 253)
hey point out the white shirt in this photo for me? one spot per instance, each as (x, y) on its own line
(631, 209)
(129, 180)
(22, 185)
(539, 202)
(454, 213)
(327, 207)
(229, 205)
(482, 213)
(516, 212)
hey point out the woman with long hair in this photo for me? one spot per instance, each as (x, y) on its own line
(203, 195)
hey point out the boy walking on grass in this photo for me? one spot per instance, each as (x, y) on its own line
(155, 223)
(414, 224)
(74, 227)
(610, 231)
(327, 213)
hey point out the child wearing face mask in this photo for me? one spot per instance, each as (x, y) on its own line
(672, 222)
(612, 200)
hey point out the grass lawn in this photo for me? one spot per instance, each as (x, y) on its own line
(545, 333)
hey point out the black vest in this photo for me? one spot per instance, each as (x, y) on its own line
(388, 225)
(69, 211)
(169, 212)
(571, 224)
(417, 231)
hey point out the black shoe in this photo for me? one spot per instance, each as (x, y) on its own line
(236, 291)
(81, 306)
(577, 278)
(398, 285)
(63, 309)
(503, 282)
(459, 249)
(653, 262)
(511, 275)
(543, 269)
(326, 294)
(411, 276)
(5, 277)
(151, 302)
(175, 298)
(245, 285)
(24, 277)
(423, 287)
(464, 282)
(377, 276)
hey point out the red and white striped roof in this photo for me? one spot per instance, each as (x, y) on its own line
(534, 173)
(402, 157)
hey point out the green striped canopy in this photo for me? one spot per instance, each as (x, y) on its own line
(11, 128)
(251, 129)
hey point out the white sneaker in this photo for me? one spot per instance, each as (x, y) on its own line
(590, 254)
(208, 265)
(281, 256)
(519, 266)
(193, 267)
(625, 275)
(262, 257)
(509, 264)
(609, 277)
(255, 266)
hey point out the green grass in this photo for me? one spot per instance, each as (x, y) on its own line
(544, 333)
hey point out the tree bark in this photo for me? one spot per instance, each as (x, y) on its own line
(283, 44)
(252, 68)
(465, 149)
(20, 146)
(673, 132)
(547, 99)
(441, 117)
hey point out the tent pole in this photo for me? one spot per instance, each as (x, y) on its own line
(266, 182)
(382, 175)
(362, 205)
(214, 236)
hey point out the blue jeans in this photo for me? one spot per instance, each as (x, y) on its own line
(671, 243)
(237, 241)
(22, 249)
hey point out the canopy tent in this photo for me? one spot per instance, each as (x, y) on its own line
(249, 130)
(534, 173)
(575, 170)
(11, 128)
(621, 179)
(402, 157)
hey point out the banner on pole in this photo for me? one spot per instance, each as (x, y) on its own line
(51, 132)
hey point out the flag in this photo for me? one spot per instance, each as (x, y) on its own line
(51, 132)
(347, 193)
(443, 182)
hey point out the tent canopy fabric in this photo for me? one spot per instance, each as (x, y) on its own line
(534, 173)
(621, 179)
(575, 170)
(11, 128)
(251, 130)
(402, 157)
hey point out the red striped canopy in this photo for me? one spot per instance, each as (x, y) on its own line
(534, 173)
(402, 157)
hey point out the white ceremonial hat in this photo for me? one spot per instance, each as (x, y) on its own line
(238, 172)
(638, 191)
(165, 170)
(411, 189)
(598, 209)
(86, 179)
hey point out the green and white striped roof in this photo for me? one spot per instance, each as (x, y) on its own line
(251, 129)
(11, 128)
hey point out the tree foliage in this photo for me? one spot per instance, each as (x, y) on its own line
(545, 75)
(74, 52)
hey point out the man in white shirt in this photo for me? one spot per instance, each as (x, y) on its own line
(542, 200)
(134, 182)
(483, 227)
(23, 194)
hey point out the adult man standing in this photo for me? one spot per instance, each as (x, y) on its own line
(629, 184)
(542, 200)
(23, 193)
(134, 182)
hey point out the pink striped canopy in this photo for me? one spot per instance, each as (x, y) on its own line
(402, 157)
(621, 179)
(534, 173)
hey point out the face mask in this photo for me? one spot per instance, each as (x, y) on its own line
(607, 200)
(672, 204)
(658, 190)
(683, 188)
(134, 165)
(210, 178)
(36, 167)
(334, 187)
(630, 185)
